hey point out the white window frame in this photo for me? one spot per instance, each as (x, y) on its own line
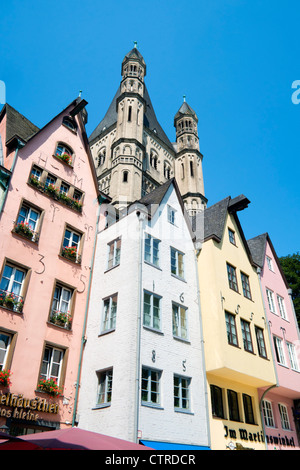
(171, 215)
(4, 348)
(175, 256)
(151, 250)
(151, 387)
(32, 224)
(278, 343)
(154, 311)
(12, 283)
(71, 241)
(180, 321)
(51, 363)
(292, 352)
(183, 393)
(104, 389)
(268, 413)
(271, 301)
(62, 303)
(109, 313)
(269, 263)
(284, 416)
(281, 306)
(114, 253)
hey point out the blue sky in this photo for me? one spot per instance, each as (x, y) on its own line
(235, 60)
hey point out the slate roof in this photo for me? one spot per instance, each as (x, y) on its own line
(185, 109)
(17, 125)
(150, 121)
(257, 246)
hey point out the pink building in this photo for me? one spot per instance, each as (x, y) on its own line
(50, 209)
(279, 404)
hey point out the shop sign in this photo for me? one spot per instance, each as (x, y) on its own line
(244, 435)
(25, 408)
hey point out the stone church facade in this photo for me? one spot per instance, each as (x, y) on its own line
(133, 155)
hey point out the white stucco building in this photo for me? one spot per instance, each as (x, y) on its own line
(143, 376)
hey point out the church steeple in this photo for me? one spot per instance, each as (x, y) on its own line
(188, 166)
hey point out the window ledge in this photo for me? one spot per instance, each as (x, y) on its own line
(103, 405)
(179, 278)
(152, 405)
(154, 330)
(106, 332)
(187, 412)
(153, 265)
(183, 340)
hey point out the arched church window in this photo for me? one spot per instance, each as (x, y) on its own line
(153, 160)
(125, 177)
(101, 156)
(167, 171)
(192, 168)
(182, 170)
(129, 113)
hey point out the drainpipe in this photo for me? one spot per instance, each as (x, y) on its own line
(274, 363)
(83, 339)
(196, 256)
(141, 216)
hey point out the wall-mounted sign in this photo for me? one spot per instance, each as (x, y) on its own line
(16, 406)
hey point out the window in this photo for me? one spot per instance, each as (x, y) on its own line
(150, 386)
(36, 173)
(233, 405)
(217, 401)
(125, 177)
(27, 222)
(181, 393)
(179, 321)
(285, 422)
(281, 306)
(171, 215)
(246, 286)
(153, 160)
(104, 393)
(260, 342)
(70, 123)
(271, 303)
(50, 181)
(151, 250)
(129, 113)
(191, 168)
(151, 310)
(246, 334)
(268, 413)
(231, 329)
(292, 356)
(167, 171)
(52, 364)
(12, 287)
(231, 236)
(231, 272)
(269, 263)
(109, 313)
(64, 188)
(248, 409)
(114, 253)
(278, 345)
(64, 153)
(61, 306)
(177, 263)
(5, 341)
(71, 245)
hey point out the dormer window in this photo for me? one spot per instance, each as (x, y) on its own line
(70, 123)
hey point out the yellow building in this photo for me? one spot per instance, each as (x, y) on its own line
(238, 355)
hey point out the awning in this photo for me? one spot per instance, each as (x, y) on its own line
(171, 446)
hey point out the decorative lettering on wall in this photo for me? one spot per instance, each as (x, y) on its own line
(88, 229)
(42, 158)
(55, 208)
(42, 263)
(77, 181)
(184, 365)
(83, 284)
(153, 355)
(181, 297)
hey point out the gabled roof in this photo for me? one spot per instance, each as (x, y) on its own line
(134, 54)
(210, 224)
(258, 246)
(150, 121)
(17, 125)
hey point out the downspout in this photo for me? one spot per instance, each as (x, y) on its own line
(83, 338)
(196, 256)
(274, 364)
(141, 217)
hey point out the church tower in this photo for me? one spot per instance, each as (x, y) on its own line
(188, 163)
(133, 155)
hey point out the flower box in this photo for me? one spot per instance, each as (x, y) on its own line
(70, 252)
(23, 229)
(5, 378)
(62, 319)
(65, 157)
(50, 387)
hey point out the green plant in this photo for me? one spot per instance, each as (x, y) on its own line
(5, 378)
(52, 190)
(49, 386)
(65, 157)
(69, 252)
(34, 180)
(24, 229)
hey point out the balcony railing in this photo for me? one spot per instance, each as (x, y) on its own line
(11, 301)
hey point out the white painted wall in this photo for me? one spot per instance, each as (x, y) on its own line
(118, 349)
